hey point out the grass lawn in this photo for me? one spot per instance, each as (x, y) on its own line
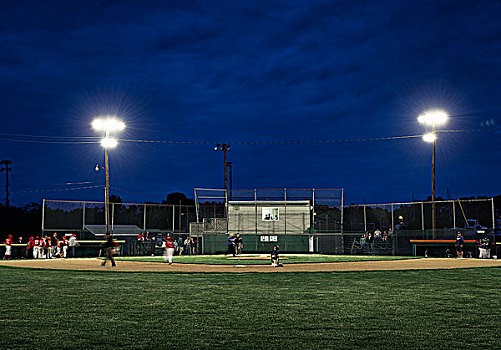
(387, 309)
(251, 260)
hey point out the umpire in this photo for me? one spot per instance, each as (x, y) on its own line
(109, 247)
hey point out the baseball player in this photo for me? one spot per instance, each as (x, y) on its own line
(8, 247)
(459, 245)
(65, 246)
(109, 247)
(36, 248)
(275, 256)
(484, 248)
(55, 246)
(29, 249)
(169, 250)
(48, 247)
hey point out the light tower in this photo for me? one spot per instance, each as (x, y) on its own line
(108, 125)
(433, 118)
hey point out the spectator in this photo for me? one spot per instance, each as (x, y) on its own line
(370, 242)
(72, 244)
(153, 243)
(180, 245)
(187, 246)
(363, 242)
(377, 234)
(390, 233)
(193, 243)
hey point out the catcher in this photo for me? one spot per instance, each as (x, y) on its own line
(275, 255)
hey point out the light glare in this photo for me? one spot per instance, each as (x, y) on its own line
(109, 123)
(430, 137)
(109, 142)
(434, 117)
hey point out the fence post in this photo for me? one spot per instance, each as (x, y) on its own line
(83, 217)
(342, 211)
(392, 218)
(365, 220)
(454, 214)
(312, 211)
(422, 216)
(285, 210)
(196, 204)
(173, 218)
(493, 216)
(43, 215)
(112, 217)
(144, 218)
(255, 208)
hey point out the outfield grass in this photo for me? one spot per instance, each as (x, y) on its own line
(250, 260)
(387, 309)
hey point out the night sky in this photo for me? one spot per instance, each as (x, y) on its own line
(271, 78)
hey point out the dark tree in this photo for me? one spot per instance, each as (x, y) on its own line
(175, 197)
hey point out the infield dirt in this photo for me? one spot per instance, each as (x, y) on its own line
(133, 266)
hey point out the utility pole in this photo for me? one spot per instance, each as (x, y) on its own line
(7, 169)
(225, 148)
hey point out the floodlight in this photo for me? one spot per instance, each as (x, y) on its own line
(430, 137)
(108, 123)
(97, 167)
(109, 142)
(433, 117)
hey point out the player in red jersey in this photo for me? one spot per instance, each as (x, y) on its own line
(29, 248)
(169, 250)
(8, 247)
(64, 244)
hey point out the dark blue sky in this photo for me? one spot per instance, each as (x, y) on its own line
(237, 72)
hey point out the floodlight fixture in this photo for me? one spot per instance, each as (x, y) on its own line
(109, 142)
(433, 117)
(108, 124)
(430, 137)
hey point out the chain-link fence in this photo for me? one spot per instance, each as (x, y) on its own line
(316, 224)
(79, 216)
(417, 216)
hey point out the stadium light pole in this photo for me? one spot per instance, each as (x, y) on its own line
(7, 169)
(433, 118)
(225, 148)
(108, 125)
(230, 166)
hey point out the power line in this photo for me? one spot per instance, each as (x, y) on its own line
(96, 140)
(274, 142)
(41, 141)
(50, 137)
(59, 189)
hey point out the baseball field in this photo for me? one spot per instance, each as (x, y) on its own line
(411, 303)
